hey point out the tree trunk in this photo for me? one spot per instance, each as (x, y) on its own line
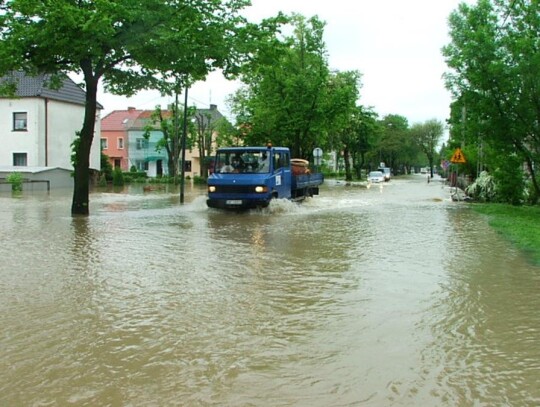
(534, 181)
(204, 166)
(346, 159)
(81, 178)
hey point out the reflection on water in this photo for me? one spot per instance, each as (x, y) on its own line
(377, 297)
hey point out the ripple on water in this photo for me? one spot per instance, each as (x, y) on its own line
(382, 296)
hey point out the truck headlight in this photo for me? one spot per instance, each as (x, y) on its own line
(211, 188)
(259, 189)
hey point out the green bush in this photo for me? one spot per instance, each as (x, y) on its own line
(199, 180)
(483, 189)
(529, 194)
(106, 167)
(164, 179)
(118, 177)
(102, 180)
(16, 181)
(134, 176)
(510, 181)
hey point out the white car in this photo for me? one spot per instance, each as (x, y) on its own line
(386, 172)
(375, 176)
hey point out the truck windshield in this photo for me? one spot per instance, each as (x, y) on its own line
(244, 162)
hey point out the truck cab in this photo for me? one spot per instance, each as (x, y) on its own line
(249, 177)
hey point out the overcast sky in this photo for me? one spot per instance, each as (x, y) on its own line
(395, 45)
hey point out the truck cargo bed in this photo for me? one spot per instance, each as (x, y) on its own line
(307, 180)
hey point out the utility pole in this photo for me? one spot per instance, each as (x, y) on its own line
(183, 147)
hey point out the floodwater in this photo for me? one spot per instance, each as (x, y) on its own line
(387, 296)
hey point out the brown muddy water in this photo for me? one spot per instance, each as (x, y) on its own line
(387, 296)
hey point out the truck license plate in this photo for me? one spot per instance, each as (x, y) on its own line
(234, 202)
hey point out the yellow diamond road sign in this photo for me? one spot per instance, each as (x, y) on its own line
(458, 157)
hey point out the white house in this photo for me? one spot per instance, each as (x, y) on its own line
(38, 125)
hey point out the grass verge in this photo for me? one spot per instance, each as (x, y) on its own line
(519, 224)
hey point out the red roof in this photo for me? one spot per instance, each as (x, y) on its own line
(119, 120)
(147, 114)
(145, 118)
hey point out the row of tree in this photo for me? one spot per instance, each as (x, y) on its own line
(291, 97)
(494, 76)
(126, 45)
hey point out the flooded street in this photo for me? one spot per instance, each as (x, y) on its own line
(387, 296)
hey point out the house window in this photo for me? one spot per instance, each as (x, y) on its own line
(20, 121)
(104, 144)
(142, 143)
(141, 165)
(20, 160)
(120, 143)
(187, 166)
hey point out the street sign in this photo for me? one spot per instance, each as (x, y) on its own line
(445, 164)
(458, 157)
(317, 156)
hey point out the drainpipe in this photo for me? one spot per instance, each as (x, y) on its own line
(46, 132)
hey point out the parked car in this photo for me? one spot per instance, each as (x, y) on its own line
(376, 176)
(386, 172)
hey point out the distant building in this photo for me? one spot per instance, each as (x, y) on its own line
(38, 125)
(141, 152)
(114, 136)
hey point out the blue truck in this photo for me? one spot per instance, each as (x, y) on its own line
(250, 177)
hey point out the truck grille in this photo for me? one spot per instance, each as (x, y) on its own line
(235, 189)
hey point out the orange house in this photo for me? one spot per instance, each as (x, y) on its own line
(114, 136)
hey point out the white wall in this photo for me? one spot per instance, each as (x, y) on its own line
(63, 121)
(20, 141)
(62, 133)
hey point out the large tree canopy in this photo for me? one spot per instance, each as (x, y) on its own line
(129, 45)
(494, 56)
(285, 81)
(427, 136)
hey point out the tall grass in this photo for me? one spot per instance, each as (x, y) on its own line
(519, 224)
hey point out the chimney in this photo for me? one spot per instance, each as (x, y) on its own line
(213, 107)
(131, 108)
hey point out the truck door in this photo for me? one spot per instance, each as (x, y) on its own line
(282, 173)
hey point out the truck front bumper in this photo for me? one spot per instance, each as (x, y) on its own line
(237, 204)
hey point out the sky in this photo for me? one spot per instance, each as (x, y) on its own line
(394, 44)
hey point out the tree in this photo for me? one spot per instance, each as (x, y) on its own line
(227, 135)
(339, 103)
(366, 130)
(129, 45)
(282, 100)
(394, 136)
(494, 60)
(170, 123)
(206, 125)
(427, 136)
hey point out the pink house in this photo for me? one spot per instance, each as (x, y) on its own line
(114, 136)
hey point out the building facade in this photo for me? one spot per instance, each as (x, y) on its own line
(141, 141)
(38, 125)
(114, 136)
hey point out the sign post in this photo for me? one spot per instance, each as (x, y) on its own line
(457, 158)
(317, 158)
